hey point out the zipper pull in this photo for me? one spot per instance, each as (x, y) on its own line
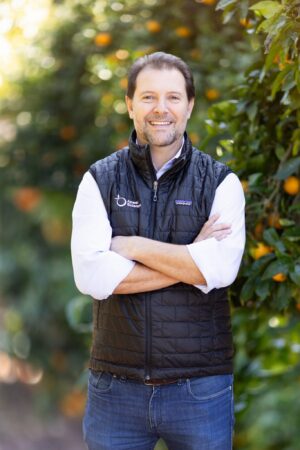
(155, 187)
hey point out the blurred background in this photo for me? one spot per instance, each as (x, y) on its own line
(62, 87)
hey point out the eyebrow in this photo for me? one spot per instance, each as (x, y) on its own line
(153, 92)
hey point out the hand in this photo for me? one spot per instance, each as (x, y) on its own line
(123, 245)
(213, 230)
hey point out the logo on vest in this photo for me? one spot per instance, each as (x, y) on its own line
(121, 201)
(183, 202)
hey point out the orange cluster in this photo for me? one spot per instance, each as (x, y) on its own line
(103, 39)
(27, 198)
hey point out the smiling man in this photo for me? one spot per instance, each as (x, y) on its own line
(158, 236)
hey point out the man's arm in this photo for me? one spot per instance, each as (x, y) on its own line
(170, 260)
(209, 263)
(143, 279)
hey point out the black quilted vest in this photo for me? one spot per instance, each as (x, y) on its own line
(177, 331)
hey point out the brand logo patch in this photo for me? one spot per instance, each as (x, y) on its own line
(121, 201)
(183, 202)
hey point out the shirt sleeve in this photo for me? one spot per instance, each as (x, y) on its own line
(97, 269)
(219, 261)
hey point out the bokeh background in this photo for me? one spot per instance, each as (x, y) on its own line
(62, 86)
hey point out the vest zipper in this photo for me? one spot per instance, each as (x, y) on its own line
(155, 186)
(148, 301)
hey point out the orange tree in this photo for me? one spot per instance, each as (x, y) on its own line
(64, 110)
(257, 132)
(67, 109)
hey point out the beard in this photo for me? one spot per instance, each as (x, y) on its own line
(161, 138)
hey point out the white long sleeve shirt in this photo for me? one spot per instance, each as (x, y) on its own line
(98, 270)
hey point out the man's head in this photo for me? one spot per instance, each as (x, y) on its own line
(160, 61)
(160, 99)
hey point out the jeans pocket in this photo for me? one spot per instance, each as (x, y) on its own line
(101, 381)
(208, 388)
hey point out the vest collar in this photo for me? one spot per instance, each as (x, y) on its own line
(141, 157)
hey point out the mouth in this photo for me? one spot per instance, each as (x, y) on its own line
(159, 123)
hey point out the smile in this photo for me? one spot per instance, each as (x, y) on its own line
(160, 123)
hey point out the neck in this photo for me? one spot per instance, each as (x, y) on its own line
(161, 155)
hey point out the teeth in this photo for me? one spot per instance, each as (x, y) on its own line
(160, 123)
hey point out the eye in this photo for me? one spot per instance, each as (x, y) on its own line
(174, 98)
(148, 98)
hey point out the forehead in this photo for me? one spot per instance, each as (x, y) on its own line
(160, 80)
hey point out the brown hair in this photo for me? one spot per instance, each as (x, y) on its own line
(160, 60)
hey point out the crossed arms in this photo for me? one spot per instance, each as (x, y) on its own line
(104, 265)
(159, 264)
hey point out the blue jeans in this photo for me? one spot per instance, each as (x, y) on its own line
(192, 414)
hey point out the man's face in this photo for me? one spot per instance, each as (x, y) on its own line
(160, 107)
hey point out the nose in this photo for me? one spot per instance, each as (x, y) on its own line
(161, 106)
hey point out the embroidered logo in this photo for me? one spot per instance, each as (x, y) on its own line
(183, 202)
(121, 201)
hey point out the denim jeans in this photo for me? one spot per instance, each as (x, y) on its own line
(191, 414)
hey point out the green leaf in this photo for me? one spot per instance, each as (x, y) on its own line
(288, 168)
(295, 275)
(248, 290)
(79, 314)
(275, 267)
(263, 289)
(267, 8)
(224, 3)
(282, 296)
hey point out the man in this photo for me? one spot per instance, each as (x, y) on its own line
(158, 235)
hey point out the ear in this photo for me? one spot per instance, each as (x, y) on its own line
(129, 106)
(190, 107)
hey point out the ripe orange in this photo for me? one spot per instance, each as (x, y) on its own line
(245, 22)
(245, 185)
(68, 132)
(123, 83)
(194, 137)
(206, 2)
(273, 220)
(292, 185)
(103, 39)
(212, 94)
(260, 250)
(153, 26)
(258, 230)
(183, 32)
(279, 277)
(73, 404)
(27, 198)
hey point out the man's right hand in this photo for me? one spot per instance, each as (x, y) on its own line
(211, 229)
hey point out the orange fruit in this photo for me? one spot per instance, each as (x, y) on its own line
(245, 185)
(245, 22)
(73, 404)
(153, 26)
(27, 198)
(260, 250)
(194, 137)
(207, 2)
(279, 277)
(123, 83)
(68, 132)
(258, 230)
(292, 185)
(183, 32)
(273, 220)
(212, 94)
(103, 39)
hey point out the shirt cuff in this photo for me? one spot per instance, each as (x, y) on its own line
(200, 259)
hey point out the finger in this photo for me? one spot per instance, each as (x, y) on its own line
(221, 235)
(221, 226)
